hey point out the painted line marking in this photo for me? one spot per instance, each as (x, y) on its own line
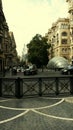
(10, 108)
(55, 117)
(51, 105)
(33, 108)
(3, 100)
(15, 117)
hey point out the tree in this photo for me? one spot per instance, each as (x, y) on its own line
(38, 51)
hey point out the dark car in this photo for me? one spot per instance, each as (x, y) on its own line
(30, 70)
(68, 70)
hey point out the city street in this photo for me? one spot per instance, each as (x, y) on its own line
(40, 73)
(31, 99)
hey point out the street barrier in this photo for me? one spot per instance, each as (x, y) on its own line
(36, 86)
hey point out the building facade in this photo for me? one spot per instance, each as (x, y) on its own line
(8, 51)
(60, 36)
(13, 52)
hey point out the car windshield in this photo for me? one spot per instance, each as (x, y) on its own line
(70, 66)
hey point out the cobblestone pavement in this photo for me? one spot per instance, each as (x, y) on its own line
(39, 113)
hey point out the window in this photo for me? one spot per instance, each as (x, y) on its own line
(6, 47)
(0, 40)
(65, 49)
(64, 33)
(62, 49)
(63, 25)
(64, 41)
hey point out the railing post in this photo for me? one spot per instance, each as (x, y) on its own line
(19, 88)
(71, 85)
(57, 86)
(0, 87)
(40, 87)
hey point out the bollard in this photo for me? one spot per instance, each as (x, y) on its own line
(19, 88)
(40, 87)
(0, 87)
(71, 85)
(57, 86)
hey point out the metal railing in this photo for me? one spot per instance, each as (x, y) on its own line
(41, 86)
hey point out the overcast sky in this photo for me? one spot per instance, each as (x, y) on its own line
(26, 18)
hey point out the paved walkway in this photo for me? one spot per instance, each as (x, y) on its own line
(36, 114)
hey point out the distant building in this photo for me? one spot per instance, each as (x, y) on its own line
(60, 36)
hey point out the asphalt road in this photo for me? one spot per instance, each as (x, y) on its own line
(44, 73)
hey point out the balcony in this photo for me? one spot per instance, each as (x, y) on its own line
(6, 40)
(1, 51)
(1, 33)
(8, 54)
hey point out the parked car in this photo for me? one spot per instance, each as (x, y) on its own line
(68, 70)
(18, 69)
(30, 70)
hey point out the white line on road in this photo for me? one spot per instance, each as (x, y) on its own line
(3, 100)
(15, 117)
(55, 117)
(10, 108)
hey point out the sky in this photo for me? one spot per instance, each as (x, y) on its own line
(26, 18)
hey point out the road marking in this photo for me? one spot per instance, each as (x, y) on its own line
(35, 111)
(15, 117)
(55, 117)
(3, 100)
(10, 108)
(51, 105)
(51, 97)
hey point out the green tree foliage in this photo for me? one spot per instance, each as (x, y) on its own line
(38, 51)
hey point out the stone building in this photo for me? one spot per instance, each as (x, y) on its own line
(8, 51)
(13, 55)
(60, 36)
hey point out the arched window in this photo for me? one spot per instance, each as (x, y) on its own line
(64, 33)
